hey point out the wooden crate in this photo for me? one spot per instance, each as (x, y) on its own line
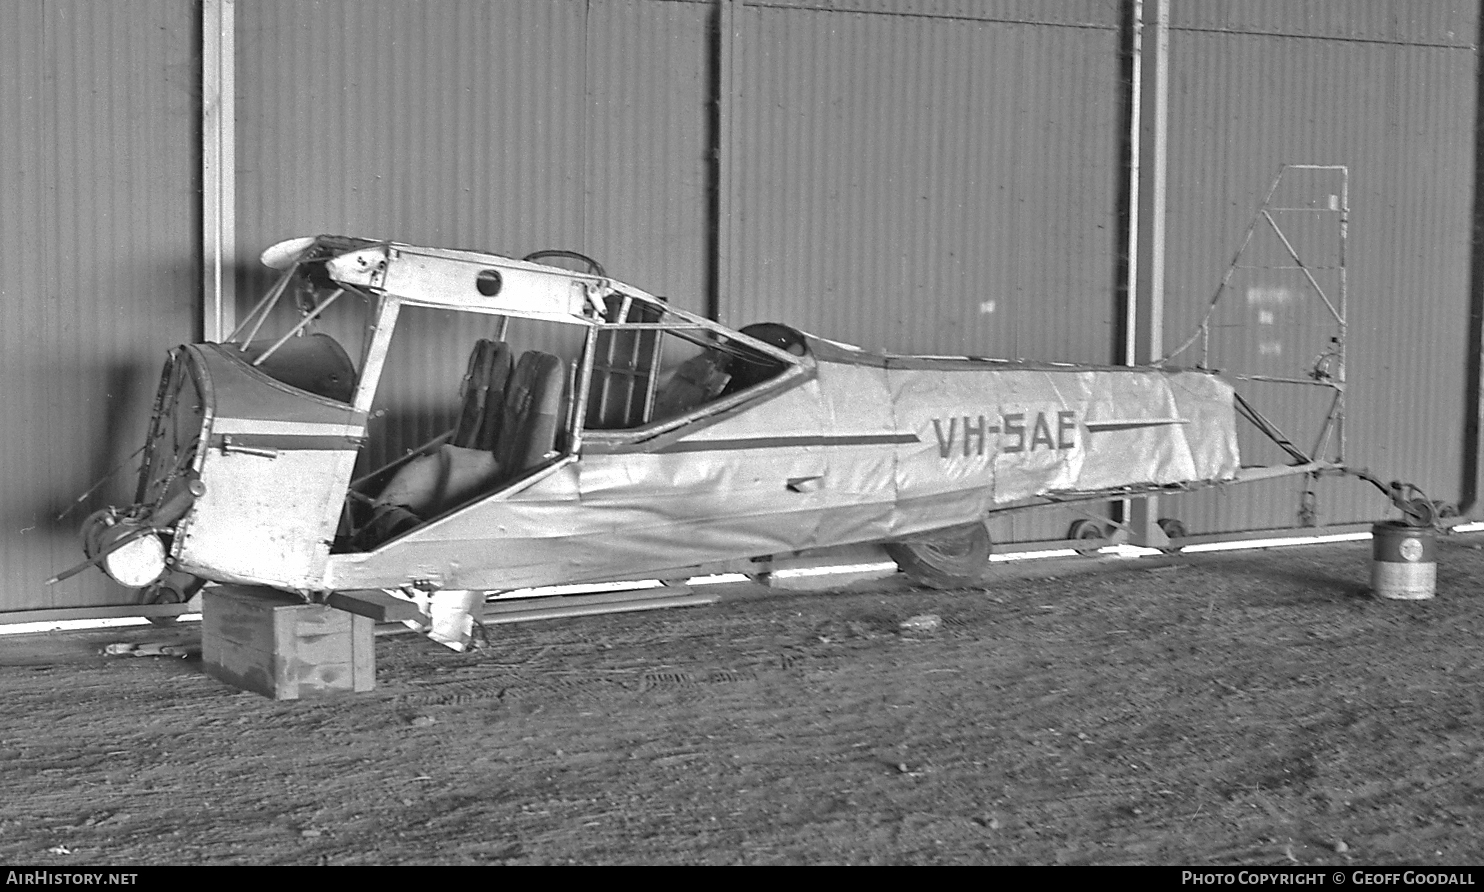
(274, 644)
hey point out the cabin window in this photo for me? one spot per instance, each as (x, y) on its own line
(467, 404)
(647, 374)
(308, 332)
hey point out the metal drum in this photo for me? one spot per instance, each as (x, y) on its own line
(1403, 561)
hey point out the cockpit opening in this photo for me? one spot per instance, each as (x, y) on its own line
(470, 403)
(308, 331)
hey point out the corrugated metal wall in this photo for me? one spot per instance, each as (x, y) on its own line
(98, 261)
(929, 184)
(508, 126)
(1387, 89)
(943, 182)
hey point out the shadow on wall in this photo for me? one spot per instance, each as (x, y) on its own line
(105, 421)
(86, 427)
(84, 405)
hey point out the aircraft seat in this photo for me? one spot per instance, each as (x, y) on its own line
(483, 392)
(532, 412)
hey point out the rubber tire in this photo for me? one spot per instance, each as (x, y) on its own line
(957, 557)
(169, 591)
(1086, 529)
(1174, 529)
(90, 531)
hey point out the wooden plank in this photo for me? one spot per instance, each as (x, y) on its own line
(334, 647)
(240, 616)
(377, 605)
(288, 676)
(310, 620)
(274, 644)
(308, 679)
(239, 666)
(363, 653)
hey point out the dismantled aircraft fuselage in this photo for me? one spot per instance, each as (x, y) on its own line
(391, 416)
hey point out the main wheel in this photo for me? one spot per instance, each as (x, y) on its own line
(1087, 529)
(1173, 529)
(953, 558)
(175, 588)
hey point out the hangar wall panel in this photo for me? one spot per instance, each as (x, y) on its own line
(449, 124)
(1388, 90)
(98, 263)
(506, 127)
(648, 149)
(928, 184)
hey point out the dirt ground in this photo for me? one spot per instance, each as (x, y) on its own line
(1225, 709)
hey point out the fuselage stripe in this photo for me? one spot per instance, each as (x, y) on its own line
(291, 442)
(786, 442)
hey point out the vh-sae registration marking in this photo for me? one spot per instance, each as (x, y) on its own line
(1050, 431)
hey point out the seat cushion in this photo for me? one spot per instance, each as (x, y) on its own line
(532, 413)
